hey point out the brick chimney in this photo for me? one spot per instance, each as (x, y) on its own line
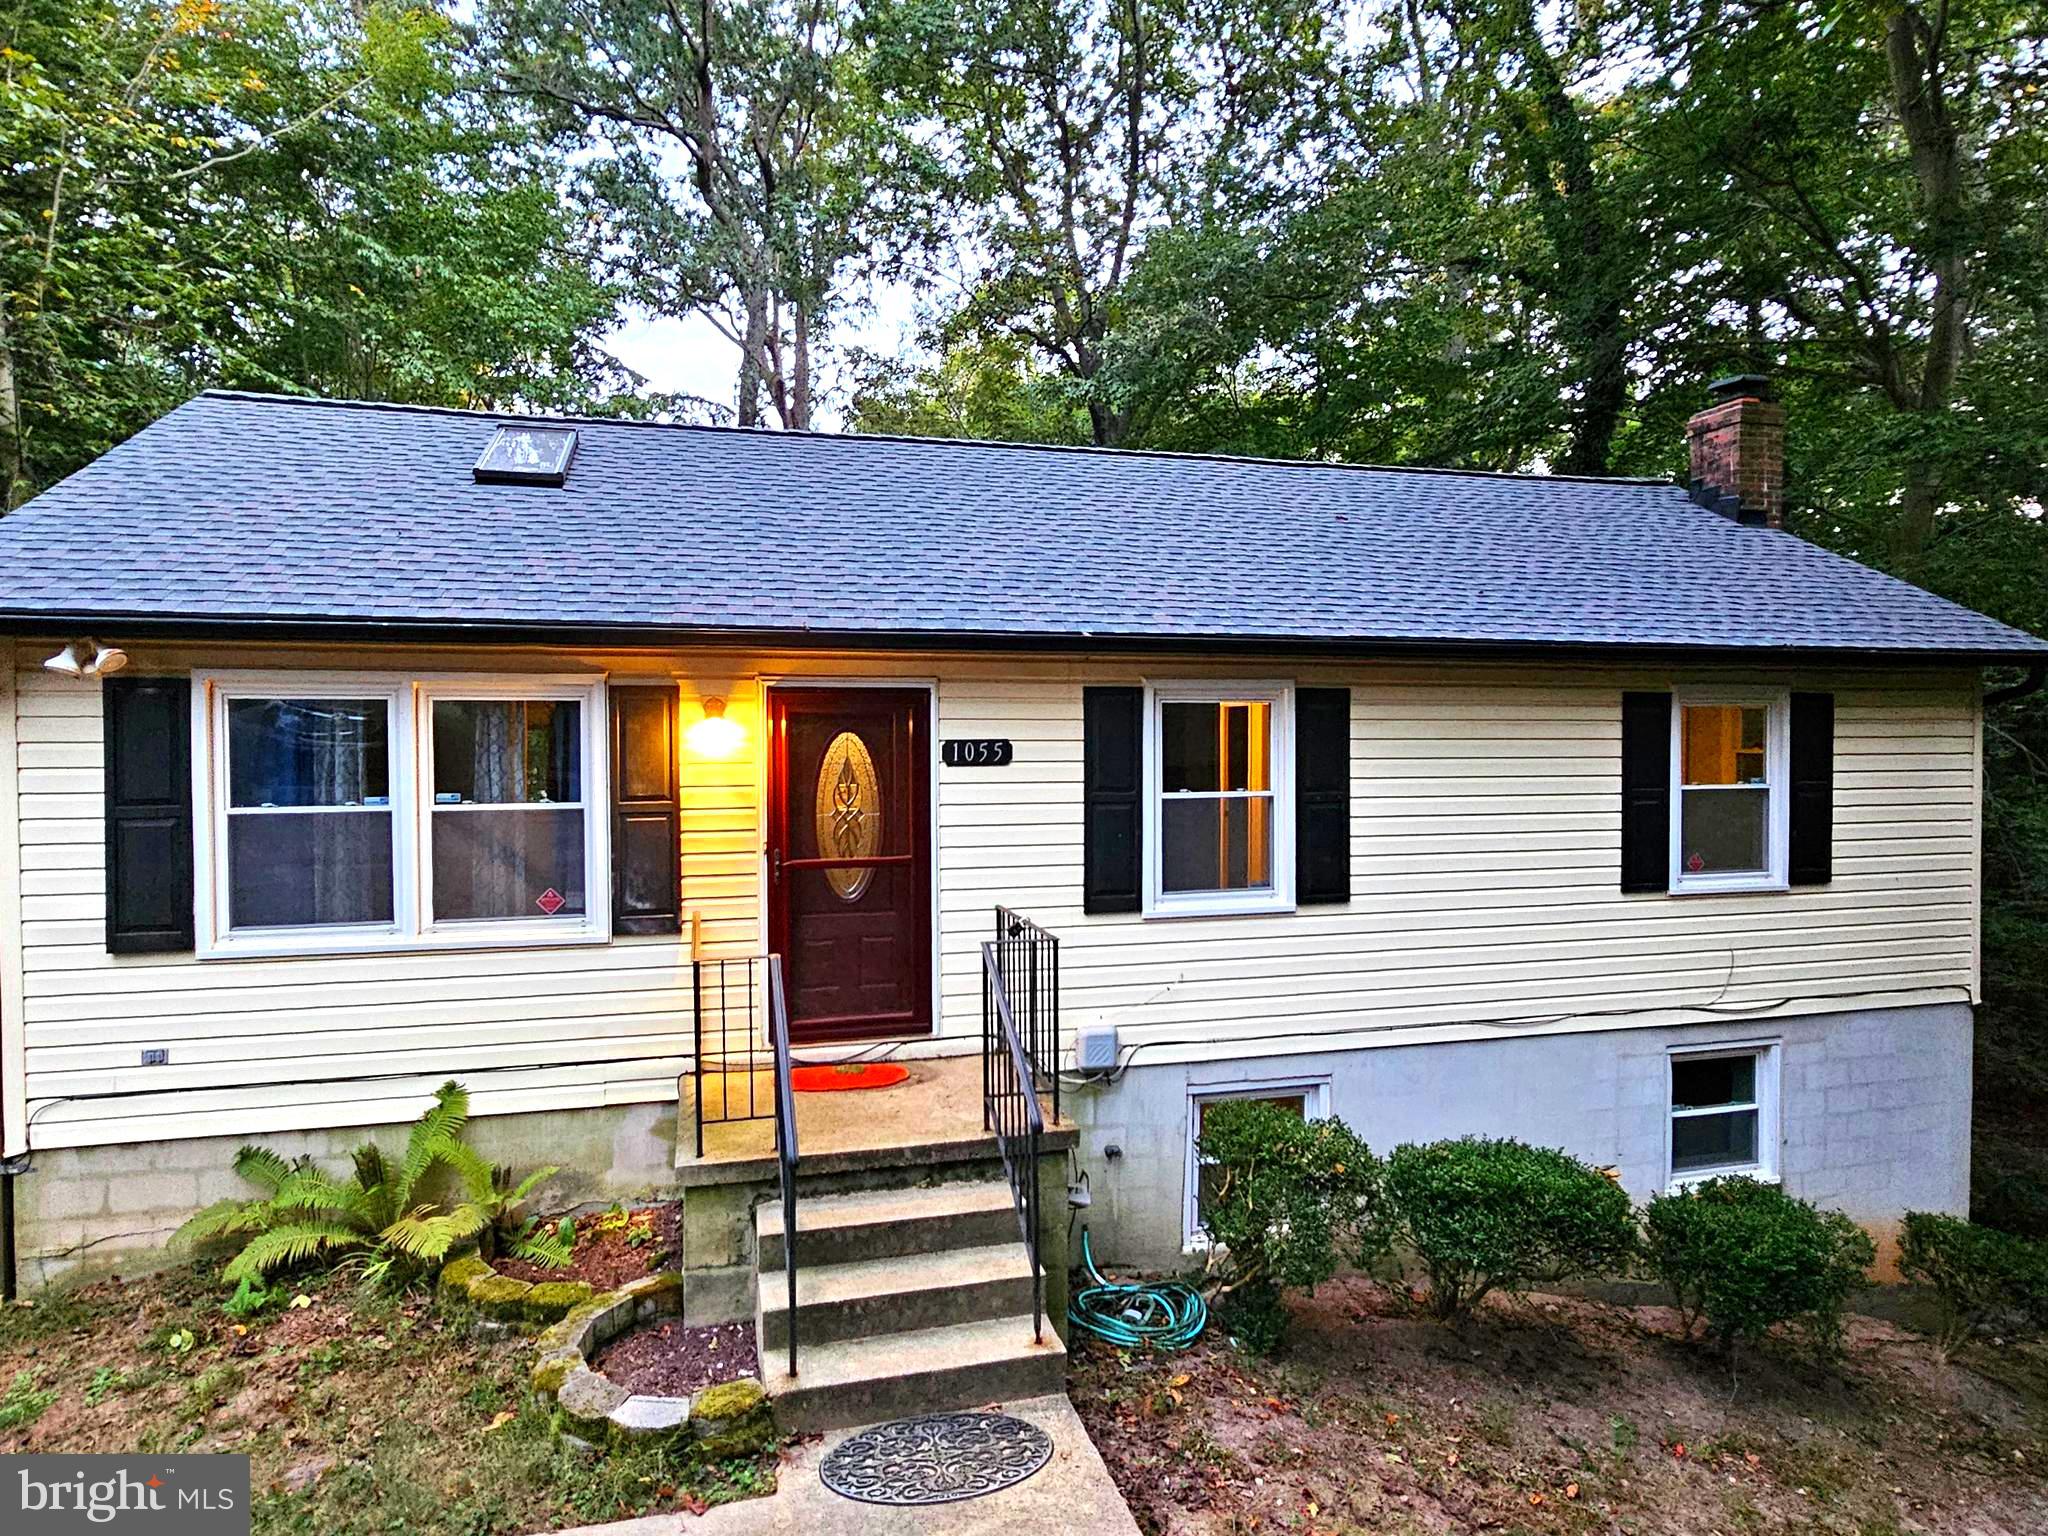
(1738, 452)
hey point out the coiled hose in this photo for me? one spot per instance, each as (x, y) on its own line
(1169, 1315)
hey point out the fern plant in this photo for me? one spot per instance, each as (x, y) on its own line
(377, 1216)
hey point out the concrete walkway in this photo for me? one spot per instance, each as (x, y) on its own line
(1072, 1494)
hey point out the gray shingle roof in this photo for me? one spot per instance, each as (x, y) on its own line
(240, 507)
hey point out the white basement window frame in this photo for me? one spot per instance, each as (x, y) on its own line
(1774, 760)
(409, 802)
(1276, 894)
(1761, 1106)
(1314, 1093)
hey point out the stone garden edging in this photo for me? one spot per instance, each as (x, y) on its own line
(732, 1418)
(525, 1304)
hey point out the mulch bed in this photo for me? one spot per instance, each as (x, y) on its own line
(604, 1256)
(671, 1360)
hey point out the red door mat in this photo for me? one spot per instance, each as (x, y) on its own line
(847, 1075)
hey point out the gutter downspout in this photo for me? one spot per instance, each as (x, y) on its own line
(2036, 676)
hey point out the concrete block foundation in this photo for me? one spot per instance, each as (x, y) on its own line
(86, 1211)
(1874, 1113)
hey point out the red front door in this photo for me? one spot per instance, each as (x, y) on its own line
(849, 859)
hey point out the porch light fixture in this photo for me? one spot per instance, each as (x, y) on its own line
(87, 658)
(714, 735)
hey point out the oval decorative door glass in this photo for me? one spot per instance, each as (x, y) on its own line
(848, 813)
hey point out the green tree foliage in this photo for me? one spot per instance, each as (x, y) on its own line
(278, 194)
(747, 170)
(1742, 1257)
(1482, 1216)
(1284, 1201)
(380, 1214)
(1980, 1277)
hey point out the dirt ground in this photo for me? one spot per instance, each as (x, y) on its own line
(359, 1413)
(672, 1359)
(1560, 1415)
(612, 1247)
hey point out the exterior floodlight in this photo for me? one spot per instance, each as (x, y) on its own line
(87, 658)
(715, 736)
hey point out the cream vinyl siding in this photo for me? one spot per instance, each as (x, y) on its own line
(1485, 862)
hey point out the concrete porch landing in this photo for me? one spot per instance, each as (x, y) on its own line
(934, 1117)
(1072, 1494)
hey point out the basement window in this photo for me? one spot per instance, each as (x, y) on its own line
(1724, 1113)
(1310, 1100)
(527, 455)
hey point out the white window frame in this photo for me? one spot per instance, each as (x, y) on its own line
(1315, 1105)
(1768, 1099)
(410, 696)
(1280, 897)
(1777, 705)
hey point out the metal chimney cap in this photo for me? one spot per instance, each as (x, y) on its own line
(1739, 386)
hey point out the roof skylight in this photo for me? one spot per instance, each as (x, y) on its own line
(523, 455)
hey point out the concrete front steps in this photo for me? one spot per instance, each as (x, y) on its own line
(909, 1300)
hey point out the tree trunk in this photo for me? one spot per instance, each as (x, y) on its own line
(750, 358)
(799, 417)
(12, 478)
(1912, 53)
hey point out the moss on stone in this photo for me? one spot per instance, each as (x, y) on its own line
(551, 1300)
(586, 1401)
(553, 1369)
(459, 1274)
(655, 1287)
(732, 1419)
(499, 1296)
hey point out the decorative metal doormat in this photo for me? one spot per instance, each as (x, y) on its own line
(936, 1460)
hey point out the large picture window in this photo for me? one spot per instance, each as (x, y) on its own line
(1728, 811)
(368, 813)
(1219, 767)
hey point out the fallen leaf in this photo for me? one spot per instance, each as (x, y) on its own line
(1451, 1460)
(1571, 1490)
(500, 1420)
(1535, 1498)
(1181, 1380)
(301, 1301)
(1393, 1418)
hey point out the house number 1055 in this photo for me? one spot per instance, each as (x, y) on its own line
(976, 754)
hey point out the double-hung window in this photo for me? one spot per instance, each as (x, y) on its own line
(1309, 1100)
(362, 812)
(1724, 1112)
(1220, 806)
(1729, 802)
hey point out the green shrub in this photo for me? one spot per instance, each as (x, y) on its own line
(1980, 1276)
(1743, 1257)
(379, 1215)
(1483, 1216)
(1285, 1200)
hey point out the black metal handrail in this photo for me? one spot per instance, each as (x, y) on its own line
(785, 1135)
(729, 1004)
(741, 1009)
(1009, 1108)
(1029, 959)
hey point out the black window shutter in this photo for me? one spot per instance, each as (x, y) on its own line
(1646, 791)
(1812, 860)
(148, 741)
(1322, 795)
(647, 894)
(1112, 727)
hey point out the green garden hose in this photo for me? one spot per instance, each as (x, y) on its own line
(1169, 1315)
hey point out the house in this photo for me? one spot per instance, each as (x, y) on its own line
(347, 748)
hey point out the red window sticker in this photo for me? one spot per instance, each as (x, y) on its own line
(1695, 864)
(551, 901)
